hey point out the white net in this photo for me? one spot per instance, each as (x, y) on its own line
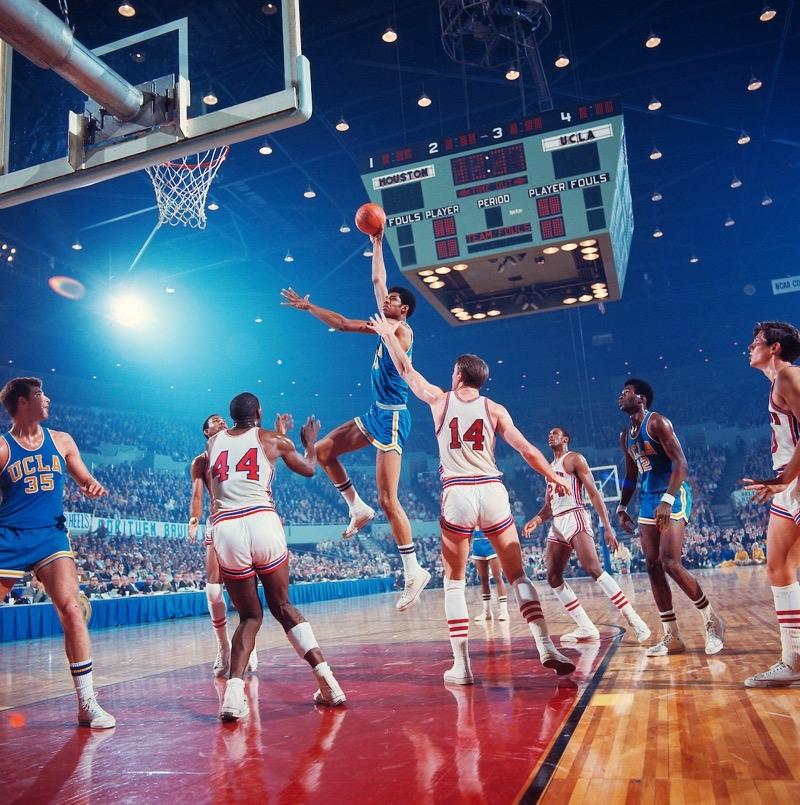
(182, 187)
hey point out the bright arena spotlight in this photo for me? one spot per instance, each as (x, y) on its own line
(129, 310)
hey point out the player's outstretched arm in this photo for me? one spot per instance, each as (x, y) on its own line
(330, 317)
(422, 389)
(378, 269)
(303, 465)
(580, 468)
(197, 473)
(90, 487)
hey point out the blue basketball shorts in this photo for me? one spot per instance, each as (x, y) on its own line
(26, 549)
(386, 427)
(681, 508)
(482, 549)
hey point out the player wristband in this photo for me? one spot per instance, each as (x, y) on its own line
(667, 498)
(621, 509)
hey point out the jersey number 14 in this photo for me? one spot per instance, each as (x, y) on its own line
(473, 434)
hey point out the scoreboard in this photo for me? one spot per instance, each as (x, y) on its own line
(531, 215)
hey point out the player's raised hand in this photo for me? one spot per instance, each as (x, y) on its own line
(531, 526)
(310, 431)
(93, 489)
(293, 299)
(382, 325)
(283, 423)
(377, 238)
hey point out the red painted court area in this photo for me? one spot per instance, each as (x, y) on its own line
(403, 735)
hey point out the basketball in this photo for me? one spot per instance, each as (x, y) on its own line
(370, 218)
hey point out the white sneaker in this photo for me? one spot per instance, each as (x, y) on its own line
(551, 657)
(222, 663)
(503, 616)
(413, 589)
(234, 704)
(640, 629)
(671, 643)
(358, 519)
(486, 615)
(458, 676)
(329, 692)
(715, 634)
(779, 676)
(90, 714)
(581, 635)
(252, 663)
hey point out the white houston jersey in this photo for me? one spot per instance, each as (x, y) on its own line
(785, 433)
(466, 439)
(565, 501)
(239, 474)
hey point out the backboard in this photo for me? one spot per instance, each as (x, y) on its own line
(606, 479)
(210, 74)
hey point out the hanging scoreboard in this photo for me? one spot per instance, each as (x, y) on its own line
(519, 218)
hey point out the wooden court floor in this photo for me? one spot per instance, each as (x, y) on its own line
(675, 729)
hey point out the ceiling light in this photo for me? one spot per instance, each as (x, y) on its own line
(210, 99)
(213, 206)
(437, 284)
(10, 258)
(562, 60)
(460, 267)
(75, 246)
(657, 233)
(424, 100)
(743, 138)
(310, 192)
(427, 272)
(568, 247)
(138, 57)
(655, 153)
(585, 297)
(465, 316)
(767, 14)
(589, 250)
(694, 259)
(591, 256)
(753, 84)
(729, 221)
(656, 196)
(601, 294)
(589, 242)
(288, 258)
(457, 309)
(551, 250)
(654, 104)
(266, 149)
(168, 289)
(652, 41)
(367, 251)
(598, 286)
(258, 319)
(430, 278)
(766, 201)
(479, 315)
(493, 312)
(342, 125)
(443, 270)
(736, 182)
(127, 10)
(389, 35)
(344, 228)
(570, 300)
(13, 250)
(512, 74)
(269, 9)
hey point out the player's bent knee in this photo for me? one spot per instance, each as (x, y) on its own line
(671, 565)
(654, 566)
(389, 502)
(71, 616)
(555, 579)
(324, 450)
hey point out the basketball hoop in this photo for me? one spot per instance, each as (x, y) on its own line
(182, 187)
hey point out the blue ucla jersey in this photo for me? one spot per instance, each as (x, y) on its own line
(32, 485)
(655, 466)
(388, 388)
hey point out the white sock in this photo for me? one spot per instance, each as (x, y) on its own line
(486, 598)
(455, 610)
(787, 608)
(531, 610)
(669, 623)
(322, 669)
(610, 587)
(82, 678)
(565, 594)
(348, 492)
(408, 553)
(704, 607)
(302, 638)
(218, 609)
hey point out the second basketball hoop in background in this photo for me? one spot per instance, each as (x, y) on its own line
(370, 218)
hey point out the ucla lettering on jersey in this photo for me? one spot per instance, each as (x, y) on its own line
(32, 485)
(388, 388)
(655, 466)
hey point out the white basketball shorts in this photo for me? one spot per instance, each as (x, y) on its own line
(249, 542)
(468, 504)
(564, 527)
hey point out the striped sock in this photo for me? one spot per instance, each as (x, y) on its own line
(615, 595)
(408, 553)
(565, 594)
(530, 608)
(669, 623)
(457, 614)
(486, 598)
(704, 606)
(787, 610)
(348, 492)
(82, 678)
(218, 609)
(502, 599)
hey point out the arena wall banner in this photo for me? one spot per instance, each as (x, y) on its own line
(82, 522)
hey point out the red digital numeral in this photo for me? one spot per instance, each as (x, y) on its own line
(220, 468)
(249, 463)
(473, 434)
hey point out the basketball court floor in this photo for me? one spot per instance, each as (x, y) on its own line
(624, 728)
